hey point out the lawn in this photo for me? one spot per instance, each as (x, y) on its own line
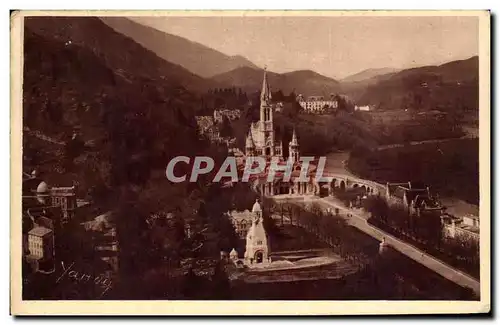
(292, 238)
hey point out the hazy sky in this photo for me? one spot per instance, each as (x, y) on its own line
(332, 46)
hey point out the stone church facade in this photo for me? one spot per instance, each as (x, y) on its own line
(261, 140)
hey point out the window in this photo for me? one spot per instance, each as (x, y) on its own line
(259, 242)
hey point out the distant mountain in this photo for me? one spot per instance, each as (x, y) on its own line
(454, 85)
(197, 58)
(120, 53)
(304, 82)
(367, 74)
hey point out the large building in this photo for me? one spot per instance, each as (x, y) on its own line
(241, 221)
(317, 104)
(261, 139)
(41, 249)
(37, 194)
(64, 197)
(41, 242)
(414, 199)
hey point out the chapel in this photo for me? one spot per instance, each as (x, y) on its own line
(257, 244)
(261, 140)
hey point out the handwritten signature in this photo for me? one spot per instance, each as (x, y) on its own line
(79, 277)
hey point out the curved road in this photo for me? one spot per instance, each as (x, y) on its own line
(359, 220)
(335, 165)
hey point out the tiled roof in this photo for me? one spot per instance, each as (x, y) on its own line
(40, 231)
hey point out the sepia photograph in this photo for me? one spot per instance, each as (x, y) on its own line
(261, 157)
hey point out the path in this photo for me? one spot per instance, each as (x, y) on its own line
(41, 136)
(46, 138)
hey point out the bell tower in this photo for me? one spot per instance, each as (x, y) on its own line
(266, 118)
(293, 147)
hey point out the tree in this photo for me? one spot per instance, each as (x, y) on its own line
(378, 207)
(278, 96)
(220, 283)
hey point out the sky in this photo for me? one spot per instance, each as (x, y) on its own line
(333, 46)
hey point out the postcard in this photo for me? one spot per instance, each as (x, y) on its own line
(250, 162)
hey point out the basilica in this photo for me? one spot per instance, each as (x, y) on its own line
(261, 139)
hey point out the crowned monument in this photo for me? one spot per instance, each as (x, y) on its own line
(257, 248)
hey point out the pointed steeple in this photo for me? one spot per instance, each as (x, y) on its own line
(265, 94)
(249, 142)
(294, 141)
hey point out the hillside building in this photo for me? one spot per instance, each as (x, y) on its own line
(231, 114)
(242, 221)
(317, 104)
(41, 242)
(364, 108)
(38, 193)
(41, 249)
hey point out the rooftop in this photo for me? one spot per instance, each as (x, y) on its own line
(40, 231)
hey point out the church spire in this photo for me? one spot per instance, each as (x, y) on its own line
(249, 142)
(265, 94)
(294, 141)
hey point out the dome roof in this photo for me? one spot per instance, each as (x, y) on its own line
(233, 253)
(42, 187)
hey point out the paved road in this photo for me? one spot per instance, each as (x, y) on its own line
(359, 220)
(42, 136)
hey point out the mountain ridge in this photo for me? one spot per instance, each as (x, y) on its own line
(306, 82)
(131, 58)
(368, 74)
(195, 57)
(452, 84)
